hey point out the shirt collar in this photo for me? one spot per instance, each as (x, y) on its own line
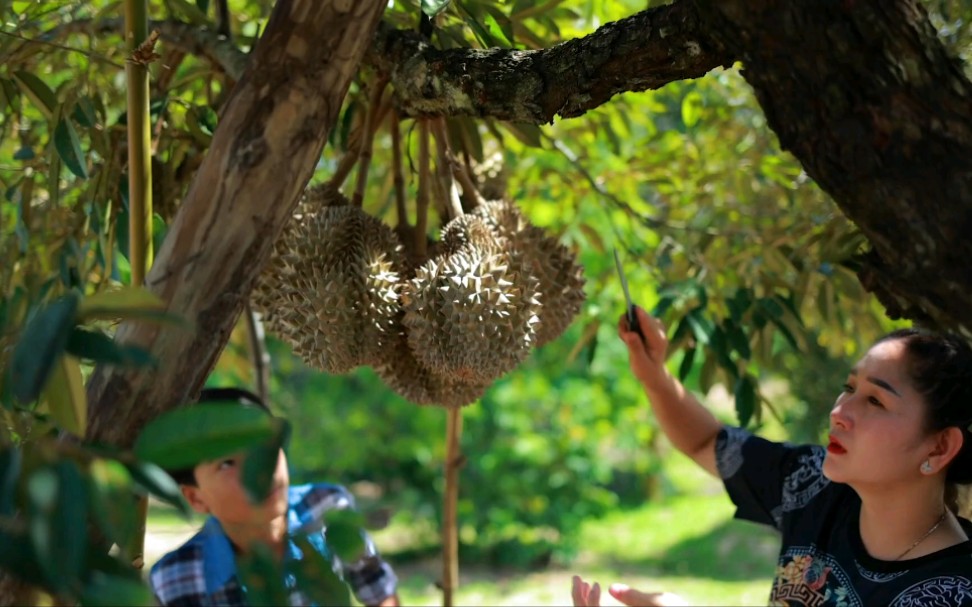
(219, 565)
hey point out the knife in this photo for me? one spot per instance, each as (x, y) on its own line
(630, 312)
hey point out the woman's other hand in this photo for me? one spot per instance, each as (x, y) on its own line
(586, 595)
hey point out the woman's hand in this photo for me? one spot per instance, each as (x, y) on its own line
(585, 595)
(647, 357)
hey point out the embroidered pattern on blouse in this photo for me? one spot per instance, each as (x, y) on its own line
(874, 576)
(806, 481)
(807, 576)
(942, 590)
(729, 457)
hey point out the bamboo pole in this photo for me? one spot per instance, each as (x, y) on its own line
(139, 192)
(450, 531)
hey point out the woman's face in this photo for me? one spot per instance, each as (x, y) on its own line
(877, 427)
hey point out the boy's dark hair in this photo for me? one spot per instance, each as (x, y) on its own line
(239, 396)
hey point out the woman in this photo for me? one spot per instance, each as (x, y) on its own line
(868, 520)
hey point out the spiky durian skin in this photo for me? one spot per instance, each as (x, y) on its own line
(470, 313)
(561, 290)
(409, 379)
(332, 287)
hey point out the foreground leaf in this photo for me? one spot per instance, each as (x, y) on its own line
(41, 344)
(66, 398)
(190, 435)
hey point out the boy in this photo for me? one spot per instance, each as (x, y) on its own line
(203, 570)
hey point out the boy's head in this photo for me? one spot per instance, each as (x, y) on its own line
(215, 487)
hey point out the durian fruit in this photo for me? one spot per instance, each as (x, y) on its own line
(491, 175)
(407, 377)
(561, 277)
(332, 287)
(470, 312)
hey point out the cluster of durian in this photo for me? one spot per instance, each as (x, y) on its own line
(340, 289)
(331, 288)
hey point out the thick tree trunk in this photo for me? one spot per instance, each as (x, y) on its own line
(865, 96)
(263, 153)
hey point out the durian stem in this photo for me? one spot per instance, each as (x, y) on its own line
(353, 153)
(444, 168)
(397, 169)
(461, 172)
(370, 128)
(450, 528)
(422, 203)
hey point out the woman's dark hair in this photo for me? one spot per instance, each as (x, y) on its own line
(940, 367)
(238, 396)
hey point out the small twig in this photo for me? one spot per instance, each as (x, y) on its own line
(89, 54)
(145, 53)
(399, 179)
(422, 203)
(370, 128)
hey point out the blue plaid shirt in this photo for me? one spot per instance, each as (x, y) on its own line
(203, 570)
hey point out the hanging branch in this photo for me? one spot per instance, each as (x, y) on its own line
(450, 193)
(450, 536)
(422, 203)
(370, 129)
(353, 152)
(399, 179)
(259, 355)
(461, 172)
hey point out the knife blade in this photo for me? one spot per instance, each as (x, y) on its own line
(630, 310)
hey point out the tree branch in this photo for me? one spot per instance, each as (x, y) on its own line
(867, 98)
(645, 51)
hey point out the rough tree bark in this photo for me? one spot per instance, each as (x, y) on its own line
(263, 153)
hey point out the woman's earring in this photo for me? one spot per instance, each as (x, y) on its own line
(926, 467)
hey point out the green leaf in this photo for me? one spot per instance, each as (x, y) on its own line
(315, 576)
(197, 433)
(58, 528)
(111, 499)
(18, 557)
(85, 113)
(68, 146)
(745, 393)
(261, 463)
(262, 576)
(203, 5)
(157, 482)
(692, 107)
(702, 325)
(737, 338)
(38, 92)
(10, 461)
(41, 344)
(112, 590)
(159, 231)
(528, 134)
(434, 7)
(685, 367)
(115, 303)
(343, 534)
(98, 347)
(66, 397)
